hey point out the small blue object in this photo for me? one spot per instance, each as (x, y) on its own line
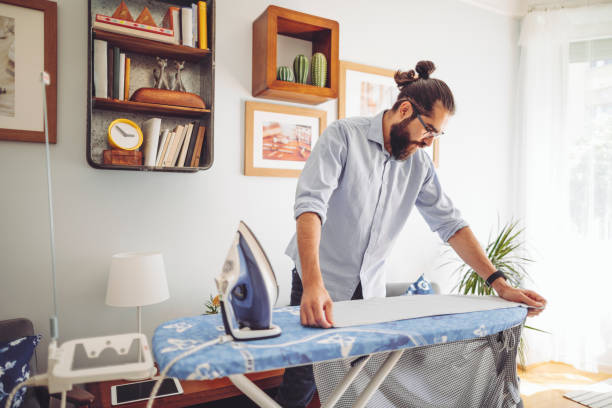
(15, 357)
(420, 287)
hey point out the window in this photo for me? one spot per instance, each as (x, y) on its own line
(590, 138)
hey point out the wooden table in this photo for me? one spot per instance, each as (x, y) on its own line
(194, 392)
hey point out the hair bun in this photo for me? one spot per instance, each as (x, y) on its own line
(425, 68)
(404, 78)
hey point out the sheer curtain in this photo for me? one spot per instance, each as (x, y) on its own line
(563, 180)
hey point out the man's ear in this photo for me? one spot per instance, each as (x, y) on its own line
(405, 109)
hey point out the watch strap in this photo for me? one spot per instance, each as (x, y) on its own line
(494, 276)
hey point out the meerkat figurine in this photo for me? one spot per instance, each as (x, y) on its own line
(159, 75)
(178, 82)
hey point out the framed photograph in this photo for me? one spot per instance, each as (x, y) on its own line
(366, 91)
(279, 138)
(28, 46)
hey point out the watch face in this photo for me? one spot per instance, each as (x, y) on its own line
(124, 134)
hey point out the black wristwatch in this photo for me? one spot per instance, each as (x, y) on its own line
(494, 276)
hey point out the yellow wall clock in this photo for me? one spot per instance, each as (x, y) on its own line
(124, 134)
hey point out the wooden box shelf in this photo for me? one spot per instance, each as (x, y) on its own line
(201, 74)
(323, 34)
(152, 108)
(149, 47)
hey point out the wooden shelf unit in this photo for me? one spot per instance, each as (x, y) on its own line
(204, 59)
(323, 34)
(152, 108)
(149, 47)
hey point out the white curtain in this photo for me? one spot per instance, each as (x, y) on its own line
(563, 178)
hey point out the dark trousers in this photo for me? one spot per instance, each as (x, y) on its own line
(298, 384)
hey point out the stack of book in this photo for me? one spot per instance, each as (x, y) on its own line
(180, 147)
(184, 26)
(111, 72)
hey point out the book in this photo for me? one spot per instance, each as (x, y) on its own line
(185, 147)
(197, 150)
(170, 153)
(126, 86)
(116, 64)
(192, 142)
(194, 23)
(133, 29)
(172, 20)
(202, 26)
(100, 65)
(163, 140)
(150, 133)
(186, 26)
(179, 145)
(110, 67)
(167, 155)
(121, 95)
(164, 153)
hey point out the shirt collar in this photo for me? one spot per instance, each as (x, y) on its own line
(375, 133)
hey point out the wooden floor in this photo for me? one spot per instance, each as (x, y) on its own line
(543, 384)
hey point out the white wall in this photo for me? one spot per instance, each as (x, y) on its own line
(191, 217)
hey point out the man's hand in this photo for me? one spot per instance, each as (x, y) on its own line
(316, 307)
(529, 297)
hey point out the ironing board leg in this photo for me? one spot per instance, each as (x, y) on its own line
(378, 378)
(346, 382)
(253, 392)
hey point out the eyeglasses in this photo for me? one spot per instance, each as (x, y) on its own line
(431, 131)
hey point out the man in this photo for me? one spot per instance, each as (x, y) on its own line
(362, 180)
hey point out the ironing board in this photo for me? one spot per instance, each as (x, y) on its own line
(298, 345)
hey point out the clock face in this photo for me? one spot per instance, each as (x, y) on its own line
(124, 134)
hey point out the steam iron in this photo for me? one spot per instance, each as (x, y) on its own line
(247, 289)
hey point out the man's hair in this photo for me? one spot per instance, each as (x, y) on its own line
(421, 90)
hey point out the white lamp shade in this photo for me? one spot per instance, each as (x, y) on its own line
(136, 279)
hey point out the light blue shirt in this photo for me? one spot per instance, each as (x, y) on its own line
(364, 197)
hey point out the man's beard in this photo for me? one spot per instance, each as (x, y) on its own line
(401, 145)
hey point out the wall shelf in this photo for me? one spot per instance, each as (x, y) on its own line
(152, 108)
(142, 52)
(323, 34)
(149, 47)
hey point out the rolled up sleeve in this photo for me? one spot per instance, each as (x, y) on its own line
(437, 208)
(321, 173)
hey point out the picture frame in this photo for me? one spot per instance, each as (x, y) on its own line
(366, 90)
(31, 26)
(279, 138)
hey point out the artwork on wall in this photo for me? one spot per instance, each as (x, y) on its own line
(366, 91)
(279, 138)
(28, 46)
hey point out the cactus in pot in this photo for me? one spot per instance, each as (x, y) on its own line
(300, 68)
(285, 73)
(319, 69)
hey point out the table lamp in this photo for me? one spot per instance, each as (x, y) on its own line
(137, 279)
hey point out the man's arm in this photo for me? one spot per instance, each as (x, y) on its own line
(467, 247)
(316, 305)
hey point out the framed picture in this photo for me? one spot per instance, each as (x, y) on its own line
(366, 91)
(279, 139)
(28, 46)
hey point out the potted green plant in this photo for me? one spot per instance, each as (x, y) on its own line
(505, 251)
(212, 305)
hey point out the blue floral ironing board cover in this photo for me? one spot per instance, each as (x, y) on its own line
(298, 345)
